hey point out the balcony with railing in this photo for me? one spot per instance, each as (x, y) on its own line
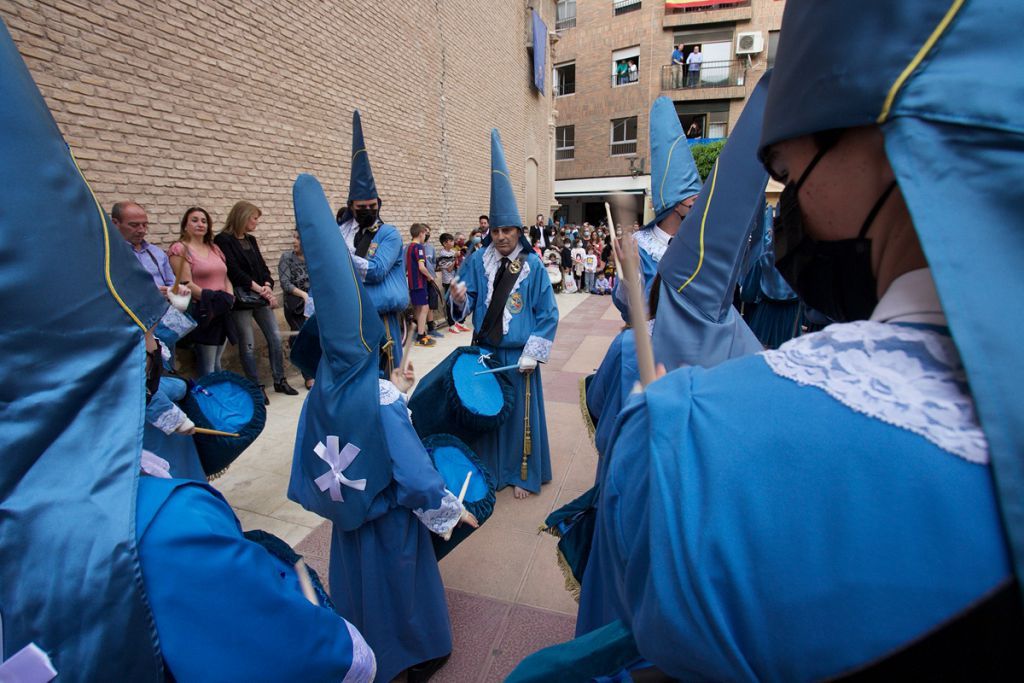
(623, 6)
(724, 78)
(707, 13)
(628, 78)
(565, 153)
(623, 148)
(566, 23)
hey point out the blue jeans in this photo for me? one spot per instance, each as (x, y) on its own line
(267, 321)
(588, 284)
(207, 358)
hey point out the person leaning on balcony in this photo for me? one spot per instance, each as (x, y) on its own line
(677, 66)
(622, 73)
(693, 62)
(633, 73)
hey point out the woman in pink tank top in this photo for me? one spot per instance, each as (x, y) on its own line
(199, 265)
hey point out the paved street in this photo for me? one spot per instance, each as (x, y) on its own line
(505, 591)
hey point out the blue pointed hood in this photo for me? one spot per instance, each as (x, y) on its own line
(504, 210)
(696, 321)
(958, 161)
(342, 407)
(674, 175)
(73, 396)
(360, 185)
(703, 262)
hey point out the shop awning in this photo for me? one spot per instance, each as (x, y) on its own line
(589, 187)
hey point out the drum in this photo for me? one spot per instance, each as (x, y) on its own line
(453, 459)
(229, 403)
(453, 399)
(287, 557)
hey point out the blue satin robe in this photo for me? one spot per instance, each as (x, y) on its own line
(179, 450)
(384, 576)
(753, 528)
(531, 330)
(224, 608)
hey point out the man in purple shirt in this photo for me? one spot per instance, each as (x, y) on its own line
(131, 219)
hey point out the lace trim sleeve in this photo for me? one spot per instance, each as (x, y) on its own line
(538, 348)
(364, 663)
(444, 518)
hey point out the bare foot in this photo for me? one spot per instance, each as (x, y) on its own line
(520, 493)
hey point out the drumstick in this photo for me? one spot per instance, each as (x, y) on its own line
(462, 497)
(304, 583)
(214, 432)
(501, 369)
(637, 315)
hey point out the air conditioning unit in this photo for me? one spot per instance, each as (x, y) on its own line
(749, 43)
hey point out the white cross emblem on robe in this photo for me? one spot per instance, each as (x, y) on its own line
(333, 478)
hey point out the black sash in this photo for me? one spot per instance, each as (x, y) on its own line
(363, 239)
(490, 331)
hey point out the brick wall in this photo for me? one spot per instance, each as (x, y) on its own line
(175, 103)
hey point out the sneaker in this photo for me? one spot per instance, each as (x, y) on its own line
(459, 327)
(435, 334)
(453, 329)
(283, 387)
(426, 340)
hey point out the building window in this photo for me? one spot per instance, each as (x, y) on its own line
(565, 15)
(565, 143)
(623, 136)
(707, 61)
(565, 79)
(626, 66)
(708, 119)
(623, 6)
(773, 46)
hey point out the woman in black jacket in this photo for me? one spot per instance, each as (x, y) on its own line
(248, 273)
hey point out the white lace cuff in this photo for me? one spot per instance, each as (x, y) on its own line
(444, 518)
(389, 393)
(165, 352)
(537, 347)
(169, 420)
(364, 664)
(361, 266)
(177, 322)
(155, 466)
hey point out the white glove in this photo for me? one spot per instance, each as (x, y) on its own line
(527, 364)
(186, 426)
(179, 301)
(457, 290)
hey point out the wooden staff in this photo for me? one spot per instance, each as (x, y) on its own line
(214, 432)
(527, 438)
(462, 497)
(637, 310)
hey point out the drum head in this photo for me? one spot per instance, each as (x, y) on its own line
(480, 394)
(229, 403)
(454, 459)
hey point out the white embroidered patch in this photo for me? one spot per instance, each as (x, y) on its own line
(908, 377)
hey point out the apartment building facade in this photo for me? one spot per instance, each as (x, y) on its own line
(614, 58)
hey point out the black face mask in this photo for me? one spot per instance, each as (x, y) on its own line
(365, 217)
(833, 277)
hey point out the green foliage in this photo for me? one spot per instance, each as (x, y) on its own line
(705, 155)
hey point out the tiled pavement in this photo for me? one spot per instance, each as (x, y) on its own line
(506, 593)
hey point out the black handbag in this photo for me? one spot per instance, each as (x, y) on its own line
(246, 299)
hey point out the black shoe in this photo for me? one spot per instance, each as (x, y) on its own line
(283, 387)
(266, 399)
(422, 672)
